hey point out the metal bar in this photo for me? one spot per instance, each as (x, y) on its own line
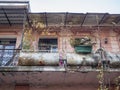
(14, 1)
(87, 25)
(12, 59)
(13, 23)
(84, 19)
(65, 20)
(46, 22)
(13, 17)
(27, 17)
(103, 18)
(117, 20)
(10, 49)
(24, 19)
(48, 68)
(13, 8)
(6, 17)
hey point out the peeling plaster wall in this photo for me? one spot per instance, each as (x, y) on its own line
(78, 87)
(113, 44)
(12, 32)
(53, 80)
(38, 87)
(65, 44)
(7, 87)
(19, 38)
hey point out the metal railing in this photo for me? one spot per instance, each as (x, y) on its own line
(9, 57)
(48, 48)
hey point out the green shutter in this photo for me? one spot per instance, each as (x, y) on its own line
(83, 49)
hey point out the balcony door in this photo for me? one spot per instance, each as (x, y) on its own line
(7, 47)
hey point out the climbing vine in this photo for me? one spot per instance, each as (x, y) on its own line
(33, 26)
(100, 77)
(117, 83)
(27, 40)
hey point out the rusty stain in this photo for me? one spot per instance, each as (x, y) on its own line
(41, 63)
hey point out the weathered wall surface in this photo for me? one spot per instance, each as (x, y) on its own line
(54, 80)
(12, 32)
(7, 87)
(78, 87)
(112, 37)
(112, 45)
(37, 87)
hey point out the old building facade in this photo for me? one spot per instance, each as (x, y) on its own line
(61, 51)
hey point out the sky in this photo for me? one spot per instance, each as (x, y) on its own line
(76, 6)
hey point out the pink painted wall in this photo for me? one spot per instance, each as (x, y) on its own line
(12, 32)
(113, 44)
(38, 87)
(80, 87)
(113, 38)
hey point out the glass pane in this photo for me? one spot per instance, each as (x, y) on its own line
(8, 54)
(54, 48)
(7, 46)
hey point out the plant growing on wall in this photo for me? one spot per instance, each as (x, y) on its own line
(117, 83)
(100, 77)
(27, 40)
(31, 27)
(101, 80)
(37, 25)
(81, 41)
(82, 45)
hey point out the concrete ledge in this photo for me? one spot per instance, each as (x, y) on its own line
(51, 68)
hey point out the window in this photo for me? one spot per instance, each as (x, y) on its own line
(48, 45)
(7, 47)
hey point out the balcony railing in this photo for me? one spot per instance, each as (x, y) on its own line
(9, 57)
(48, 48)
(15, 57)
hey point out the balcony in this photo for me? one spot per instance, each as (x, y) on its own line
(92, 60)
(52, 60)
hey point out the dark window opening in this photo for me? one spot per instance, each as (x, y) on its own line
(5, 41)
(106, 41)
(48, 45)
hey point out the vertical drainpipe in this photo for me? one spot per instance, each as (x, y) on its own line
(99, 31)
(99, 36)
